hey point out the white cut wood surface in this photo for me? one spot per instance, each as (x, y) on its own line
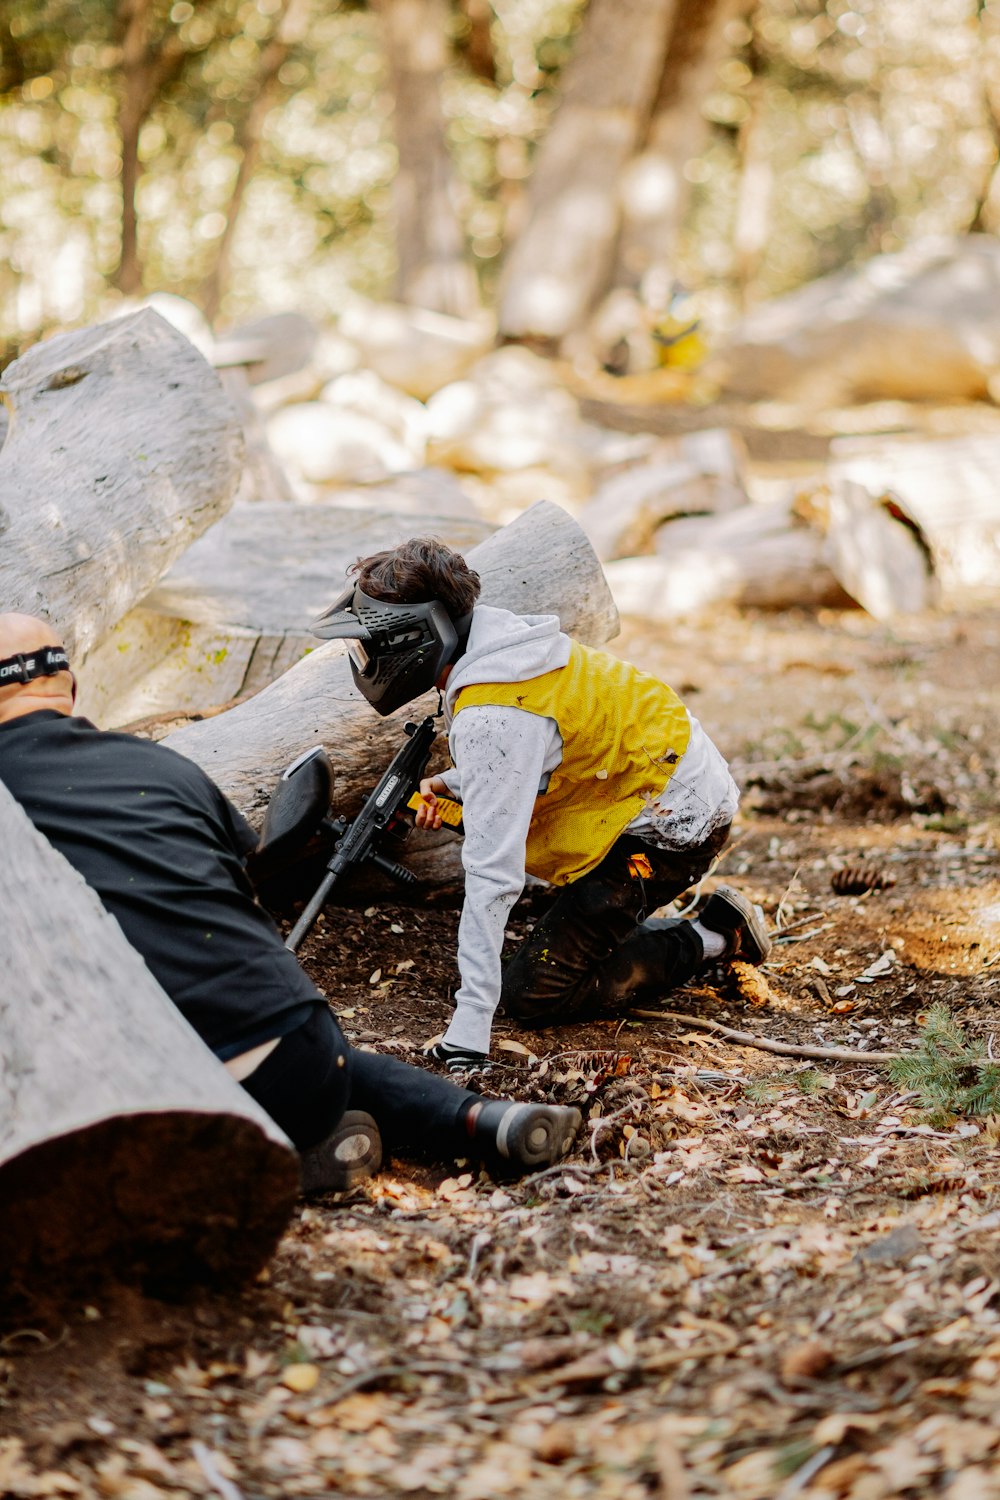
(122, 1139)
(878, 559)
(950, 489)
(122, 449)
(540, 563)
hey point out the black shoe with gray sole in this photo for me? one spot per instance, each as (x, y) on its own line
(741, 923)
(513, 1139)
(350, 1154)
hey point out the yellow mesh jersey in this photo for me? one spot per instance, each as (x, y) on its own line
(622, 731)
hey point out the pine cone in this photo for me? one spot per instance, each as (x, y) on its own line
(854, 880)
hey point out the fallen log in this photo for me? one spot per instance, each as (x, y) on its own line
(125, 1148)
(947, 491)
(122, 449)
(233, 613)
(540, 563)
(696, 473)
(760, 556)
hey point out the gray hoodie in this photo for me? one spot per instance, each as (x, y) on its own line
(503, 757)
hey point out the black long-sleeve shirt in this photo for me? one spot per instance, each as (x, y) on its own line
(165, 851)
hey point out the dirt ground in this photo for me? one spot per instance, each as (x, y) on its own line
(758, 1275)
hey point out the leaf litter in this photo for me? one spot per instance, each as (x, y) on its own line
(755, 1276)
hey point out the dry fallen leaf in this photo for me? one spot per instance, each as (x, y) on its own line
(805, 1361)
(518, 1048)
(300, 1378)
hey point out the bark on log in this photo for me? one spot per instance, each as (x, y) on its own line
(541, 562)
(125, 1147)
(122, 449)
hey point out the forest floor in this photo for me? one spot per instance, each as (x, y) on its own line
(755, 1276)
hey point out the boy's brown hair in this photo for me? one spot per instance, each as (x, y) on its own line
(418, 571)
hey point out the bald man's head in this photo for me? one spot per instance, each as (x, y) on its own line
(25, 643)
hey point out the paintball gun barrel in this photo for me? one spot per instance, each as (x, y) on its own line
(302, 798)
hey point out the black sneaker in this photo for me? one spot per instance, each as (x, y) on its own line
(517, 1138)
(350, 1154)
(739, 922)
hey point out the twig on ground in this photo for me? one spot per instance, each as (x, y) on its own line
(390, 1372)
(764, 1044)
(205, 1459)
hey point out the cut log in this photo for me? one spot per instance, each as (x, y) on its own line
(541, 562)
(759, 556)
(920, 324)
(125, 1147)
(949, 492)
(881, 562)
(697, 473)
(233, 613)
(122, 449)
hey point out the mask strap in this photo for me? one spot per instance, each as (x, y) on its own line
(45, 662)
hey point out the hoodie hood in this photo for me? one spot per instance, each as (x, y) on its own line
(504, 647)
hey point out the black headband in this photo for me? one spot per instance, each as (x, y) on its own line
(45, 661)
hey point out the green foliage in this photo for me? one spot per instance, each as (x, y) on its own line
(810, 1081)
(762, 1090)
(951, 1072)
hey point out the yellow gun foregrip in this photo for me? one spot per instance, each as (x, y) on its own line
(451, 812)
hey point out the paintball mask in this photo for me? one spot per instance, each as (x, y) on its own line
(397, 651)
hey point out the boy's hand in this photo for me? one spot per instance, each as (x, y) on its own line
(427, 815)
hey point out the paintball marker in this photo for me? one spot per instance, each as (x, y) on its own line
(301, 801)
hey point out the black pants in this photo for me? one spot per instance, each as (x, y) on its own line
(587, 954)
(314, 1075)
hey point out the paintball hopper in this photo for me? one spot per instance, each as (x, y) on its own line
(298, 804)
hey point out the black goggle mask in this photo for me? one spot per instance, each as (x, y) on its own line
(397, 651)
(25, 666)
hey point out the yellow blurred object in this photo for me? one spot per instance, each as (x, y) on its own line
(639, 867)
(680, 343)
(300, 1378)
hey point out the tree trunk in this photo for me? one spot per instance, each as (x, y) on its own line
(434, 270)
(561, 263)
(125, 1147)
(288, 30)
(655, 192)
(134, 15)
(540, 562)
(147, 66)
(122, 449)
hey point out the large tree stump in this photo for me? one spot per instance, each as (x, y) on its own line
(122, 448)
(541, 563)
(125, 1147)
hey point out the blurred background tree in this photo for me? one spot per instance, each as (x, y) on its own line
(537, 156)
